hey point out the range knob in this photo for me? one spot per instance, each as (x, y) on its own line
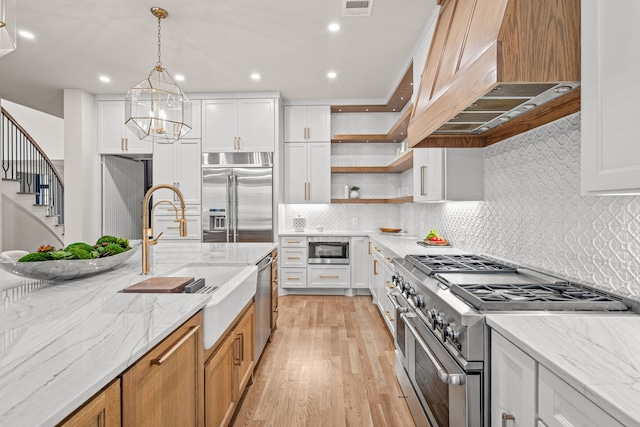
(408, 290)
(450, 332)
(417, 300)
(437, 319)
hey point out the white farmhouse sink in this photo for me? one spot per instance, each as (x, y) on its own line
(237, 285)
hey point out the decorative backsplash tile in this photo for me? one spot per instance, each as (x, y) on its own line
(341, 217)
(348, 123)
(533, 213)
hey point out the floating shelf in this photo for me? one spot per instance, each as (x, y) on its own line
(395, 200)
(401, 164)
(398, 132)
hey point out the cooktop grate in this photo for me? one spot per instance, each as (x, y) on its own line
(467, 263)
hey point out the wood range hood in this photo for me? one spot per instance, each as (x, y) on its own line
(497, 68)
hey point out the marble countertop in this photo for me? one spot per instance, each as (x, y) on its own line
(597, 354)
(62, 342)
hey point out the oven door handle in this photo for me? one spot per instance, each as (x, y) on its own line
(445, 377)
(394, 301)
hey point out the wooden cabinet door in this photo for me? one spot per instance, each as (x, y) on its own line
(165, 387)
(513, 383)
(256, 125)
(243, 334)
(220, 400)
(219, 125)
(103, 410)
(610, 150)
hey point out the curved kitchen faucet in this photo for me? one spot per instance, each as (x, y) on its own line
(147, 223)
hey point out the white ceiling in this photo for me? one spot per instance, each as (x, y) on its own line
(215, 44)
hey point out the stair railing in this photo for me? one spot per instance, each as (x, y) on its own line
(24, 160)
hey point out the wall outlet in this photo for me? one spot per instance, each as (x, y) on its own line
(354, 221)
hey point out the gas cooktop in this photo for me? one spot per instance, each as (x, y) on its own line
(535, 296)
(432, 264)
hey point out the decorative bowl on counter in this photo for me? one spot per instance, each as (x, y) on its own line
(390, 230)
(64, 269)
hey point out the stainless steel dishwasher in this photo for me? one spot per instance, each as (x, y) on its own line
(262, 307)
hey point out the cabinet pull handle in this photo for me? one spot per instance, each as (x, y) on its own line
(100, 419)
(293, 257)
(309, 184)
(238, 143)
(386, 312)
(236, 350)
(506, 418)
(375, 267)
(329, 277)
(389, 260)
(126, 144)
(185, 337)
(388, 284)
(241, 346)
(376, 249)
(293, 278)
(293, 241)
(121, 144)
(369, 248)
(422, 177)
(305, 191)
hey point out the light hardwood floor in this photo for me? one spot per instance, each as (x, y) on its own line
(330, 363)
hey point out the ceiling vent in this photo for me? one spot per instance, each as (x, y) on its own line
(357, 7)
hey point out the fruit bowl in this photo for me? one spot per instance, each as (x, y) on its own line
(64, 269)
(390, 230)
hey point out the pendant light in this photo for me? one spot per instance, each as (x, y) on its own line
(156, 108)
(7, 26)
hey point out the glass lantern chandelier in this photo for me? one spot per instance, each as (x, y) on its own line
(156, 108)
(7, 26)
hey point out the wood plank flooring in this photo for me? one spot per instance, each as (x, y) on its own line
(330, 363)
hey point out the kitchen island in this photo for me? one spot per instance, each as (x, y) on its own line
(64, 341)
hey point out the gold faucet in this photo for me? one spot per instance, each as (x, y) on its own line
(147, 223)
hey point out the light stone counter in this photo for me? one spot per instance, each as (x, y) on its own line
(597, 354)
(63, 342)
(399, 245)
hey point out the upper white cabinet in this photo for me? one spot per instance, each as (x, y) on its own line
(610, 89)
(513, 384)
(178, 164)
(454, 174)
(307, 172)
(307, 123)
(238, 125)
(113, 135)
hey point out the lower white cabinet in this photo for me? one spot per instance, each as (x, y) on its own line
(328, 276)
(358, 258)
(293, 257)
(560, 405)
(167, 225)
(521, 388)
(293, 278)
(513, 384)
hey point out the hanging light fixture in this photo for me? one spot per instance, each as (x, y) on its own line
(156, 108)
(7, 26)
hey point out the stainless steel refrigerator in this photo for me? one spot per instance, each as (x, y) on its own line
(237, 197)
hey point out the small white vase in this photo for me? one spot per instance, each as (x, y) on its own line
(355, 194)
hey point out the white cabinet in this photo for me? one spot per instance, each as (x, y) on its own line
(307, 123)
(358, 258)
(328, 276)
(167, 225)
(454, 174)
(307, 172)
(293, 278)
(293, 262)
(238, 125)
(610, 89)
(560, 405)
(114, 137)
(513, 384)
(293, 257)
(178, 164)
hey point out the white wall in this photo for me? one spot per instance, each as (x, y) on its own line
(46, 130)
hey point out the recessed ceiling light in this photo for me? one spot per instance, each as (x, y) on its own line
(332, 74)
(333, 27)
(26, 34)
(104, 79)
(179, 77)
(255, 76)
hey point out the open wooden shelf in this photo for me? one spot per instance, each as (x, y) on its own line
(394, 200)
(401, 164)
(398, 132)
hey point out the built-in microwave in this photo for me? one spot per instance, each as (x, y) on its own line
(328, 250)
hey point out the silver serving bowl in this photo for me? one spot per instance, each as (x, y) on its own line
(64, 269)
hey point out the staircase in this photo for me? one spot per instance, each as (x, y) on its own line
(32, 191)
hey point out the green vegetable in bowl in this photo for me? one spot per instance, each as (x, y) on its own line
(122, 242)
(81, 253)
(35, 256)
(80, 245)
(56, 255)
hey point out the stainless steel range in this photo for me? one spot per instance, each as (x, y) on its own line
(442, 342)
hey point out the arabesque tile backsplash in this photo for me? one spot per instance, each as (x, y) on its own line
(532, 213)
